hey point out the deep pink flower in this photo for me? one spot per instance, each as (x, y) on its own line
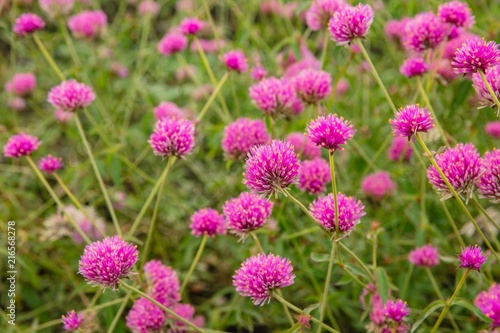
(145, 317)
(235, 61)
(271, 168)
(21, 84)
(307, 61)
(243, 134)
(185, 311)
(171, 43)
(88, 24)
(456, 13)
(303, 146)
(314, 175)
(472, 257)
(260, 275)
(21, 145)
(207, 221)
(50, 164)
(163, 283)
(424, 31)
(319, 13)
(452, 45)
(274, 96)
(350, 22)
(148, 7)
(258, 73)
(414, 67)
(54, 8)
(425, 256)
(378, 185)
(246, 213)
(330, 131)
(489, 304)
(493, 77)
(172, 137)
(411, 119)
(493, 129)
(475, 55)
(191, 26)
(400, 150)
(168, 110)
(71, 95)
(488, 184)
(394, 29)
(312, 86)
(72, 321)
(28, 23)
(396, 310)
(105, 262)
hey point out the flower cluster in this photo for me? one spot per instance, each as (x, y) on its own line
(243, 134)
(70, 96)
(172, 137)
(207, 221)
(314, 175)
(488, 184)
(246, 213)
(350, 22)
(330, 131)
(275, 96)
(488, 302)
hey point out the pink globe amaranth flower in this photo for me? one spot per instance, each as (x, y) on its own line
(314, 175)
(489, 304)
(377, 310)
(444, 69)
(488, 184)
(172, 137)
(493, 129)
(145, 317)
(308, 61)
(394, 29)
(260, 275)
(207, 221)
(163, 283)
(168, 110)
(350, 22)
(21, 84)
(105, 262)
(414, 67)
(271, 168)
(191, 26)
(350, 212)
(258, 73)
(274, 96)
(330, 131)
(396, 310)
(88, 24)
(16, 103)
(50, 164)
(456, 13)
(20, 145)
(424, 31)
(243, 134)
(454, 44)
(475, 55)
(492, 75)
(54, 8)
(148, 7)
(378, 185)
(235, 61)
(71, 95)
(400, 150)
(472, 257)
(185, 311)
(312, 86)
(425, 256)
(27, 24)
(171, 43)
(246, 213)
(411, 119)
(303, 146)
(320, 12)
(72, 321)
(461, 165)
(63, 116)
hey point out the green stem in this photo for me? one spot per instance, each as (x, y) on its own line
(212, 97)
(324, 298)
(194, 262)
(453, 224)
(48, 57)
(434, 283)
(334, 191)
(286, 193)
(360, 262)
(374, 251)
(352, 276)
(69, 42)
(407, 281)
(257, 242)
(492, 93)
(485, 213)
(118, 314)
(325, 47)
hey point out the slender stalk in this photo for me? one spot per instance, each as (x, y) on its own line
(325, 47)
(374, 251)
(257, 242)
(485, 213)
(341, 73)
(118, 314)
(326, 287)
(212, 97)
(434, 283)
(98, 175)
(48, 57)
(453, 224)
(286, 193)
(334, 191)
(407, 281)
(360, 262)
(352, 276)
(194, 262)
(69, 42)
(492, 93)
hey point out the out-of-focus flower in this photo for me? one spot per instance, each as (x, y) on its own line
(414, 67)
(50, 164)
(349, 23)
(235, 61)
(148, 7)
(71, 95)
(312, 86)
(258, 73)
(396, 310)
(207, 221)
(314, 175)
(171, 43)
(53, 8)
(303, 146)
(191, 26)
(456, 13)
(488, 183)
(492, 75)
(28, 23)
(243, 134)
(489, 304)
(172, 137)
(411, 119)
(425, 256)
(21, 145)
(493, 128)
(88, 24)
(320, 12)
(400, 149)
(274, 96)
(424, 31)
(72, 321)
(21, 84)
(378, 185)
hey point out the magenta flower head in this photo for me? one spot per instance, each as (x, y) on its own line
(472, 257)
(168, 110)
(20, 145)
(378, 185)
(54, 8)
(172, 137)
(424, 31)
(243, 134)
(394, 29)
(105, 262)
(258, 73)
(488, 302)
(207, 221)
(493, 129)
(312, 85)
(488, 184)
(400, 150)
(350, 22)
(314, 175)
(71, 95)
(271, 168)
(425, 256)
(411, 119)
(50, 164)
(163, 284)
(191, 26)
(475, 55)
(396, 310)
(461, 165)
(320, 12)
(492, 75)
(21, 84)
(235, 61)
(72, 321)
(171, 43)
(330, 131)
(275, 96)
(260, 275)
(28, 23)
(456, 13)
(303, 146)
(246, 213)
(414, 67)
(88, 24)
(145, 317)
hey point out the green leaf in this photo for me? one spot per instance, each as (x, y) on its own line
(382, 284)
(465, 303)
(426, 312)
(320, 257)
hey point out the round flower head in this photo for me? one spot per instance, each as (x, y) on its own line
(243, 134)
(314, 175)
(274, 96)
(20, 145)
(148, 7)
(472, 257)
(258, 73)
(414, 67)
(172, 137)
(271, 168)
(247, 212)
(493, 128)
(320, 12)
(87, 24)
(145, 317)
(63, 116)
(312, 85)
(461, 165)
(303, 146)
(171, 43)
(378, 185)
(350, 22)
(191, 26)
(350, 212)
(456, 13)
(394, 29)
(54, 8)
(71, 95)
(475, 55)
(207, 221)
(396, 310)
(488, 184)
(425, 256)
(21, 84)
(411, 119)
(259, 275)
(27, 24)
(72, 321)
(400, 150)
(424, 31)
(168, 110)
(163, 284)
(105, 262)
(185, 311)
(16, 103)
(493, 77)
(235, 61)
(50, 164)
(330, 131)
(489, 304)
